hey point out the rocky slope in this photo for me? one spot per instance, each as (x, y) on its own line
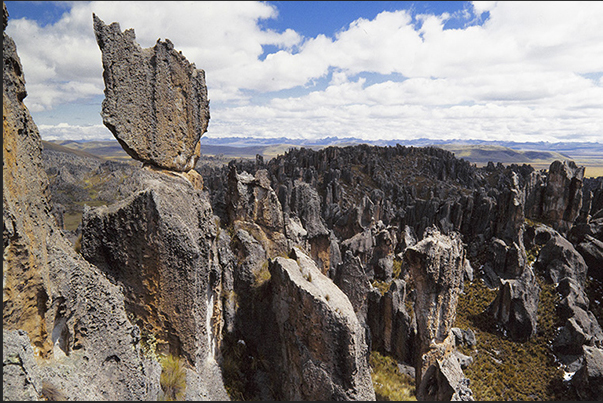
(283, 280)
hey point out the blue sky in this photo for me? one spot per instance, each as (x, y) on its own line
(519, 71)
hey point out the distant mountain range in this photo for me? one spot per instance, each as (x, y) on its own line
(538, 154)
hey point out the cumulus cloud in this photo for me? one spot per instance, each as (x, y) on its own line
(66, 131)
(515, 69)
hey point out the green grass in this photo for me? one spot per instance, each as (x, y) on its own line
(389, 383)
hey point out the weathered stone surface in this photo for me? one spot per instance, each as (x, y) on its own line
(562, 199)
(393, 330)
(68, 309)
(589, 379)
(254, 206)
(516, 306)
(155, 102)
(324, 352)
(159, 247)
(558, 259)
(591, 250)
(20, 375)
(351, 278)
(436, 265)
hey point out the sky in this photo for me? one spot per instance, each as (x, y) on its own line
(374, 70)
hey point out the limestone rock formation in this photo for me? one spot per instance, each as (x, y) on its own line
(437, 265)
(324, 351)
(393, 329)
(65, 309)
(351, 278)
(159, 247)
(516, 306)
(155, 102)
(562, 199)
(589, 379)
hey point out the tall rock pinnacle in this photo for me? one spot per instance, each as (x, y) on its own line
(155, 102)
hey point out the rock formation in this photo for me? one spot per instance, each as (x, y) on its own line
(323, 347)
(155, 102)
(437, 265)
(83, 343)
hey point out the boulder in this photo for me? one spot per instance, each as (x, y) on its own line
(324, 353)
(155, 102)
(558, 259)
(516, 306)
(588, 380)
(591, 250)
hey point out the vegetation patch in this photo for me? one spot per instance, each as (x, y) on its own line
(50, 392)
(382, 286)
(262, 276)
(173, 378)
(389, 383)
(506, 370)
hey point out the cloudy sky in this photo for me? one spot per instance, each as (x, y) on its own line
(513, 71)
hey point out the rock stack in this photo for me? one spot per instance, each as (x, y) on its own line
(155, 102)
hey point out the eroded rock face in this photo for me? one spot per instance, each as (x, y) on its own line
(437, 265)
(155, 102)
(516, 306)
(562, 198)
(159, 246)
(55, 302)
(324, 351)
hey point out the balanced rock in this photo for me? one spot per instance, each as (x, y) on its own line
(155, 102)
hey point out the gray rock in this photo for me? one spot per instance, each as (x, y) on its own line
(436, 265)
(155, 102)
(21, 378)
(324, 353)
(159, 247)
(516, 306)
(588, 380)
(591, 250)
(445, 381)
(562, 199)
(73, 316)
(351, 278)
(558, 259)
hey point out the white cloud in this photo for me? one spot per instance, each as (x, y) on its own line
(520, 72)
(66, 131)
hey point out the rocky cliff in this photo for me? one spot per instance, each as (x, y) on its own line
(65, 328)
(286, 279)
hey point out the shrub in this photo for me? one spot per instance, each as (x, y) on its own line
(263, 275)
(77, 245)
(173, 378)
(51, 393)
